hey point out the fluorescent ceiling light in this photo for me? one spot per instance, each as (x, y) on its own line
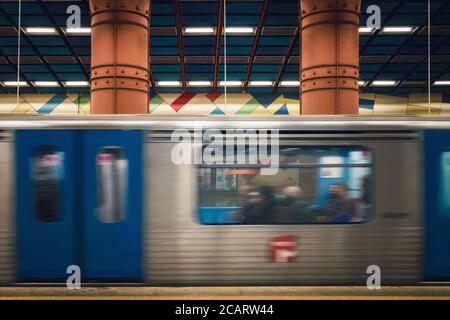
(398, 29)
(366, 30)
(199, 83)
(230, 83)
(290, 83)
(362, 83)
(260, 83)
(384, 83)
(199, 30)
(40, 30)
(14, 84)
(46, 84)
(239, 30)
(442, 83)
(78, 30)
(169, 83)
(76, 83)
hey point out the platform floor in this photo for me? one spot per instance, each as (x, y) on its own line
(228, 293)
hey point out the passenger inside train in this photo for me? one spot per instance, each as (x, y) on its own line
(312, 186)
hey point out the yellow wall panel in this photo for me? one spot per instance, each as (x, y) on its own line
(389, 105)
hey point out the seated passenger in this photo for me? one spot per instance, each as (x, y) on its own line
(339, 204)
(292, 194)
(260, 206)
(293, 208)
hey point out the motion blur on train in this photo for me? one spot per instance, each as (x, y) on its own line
(105, 194)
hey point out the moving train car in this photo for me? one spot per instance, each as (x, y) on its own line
(122, 198)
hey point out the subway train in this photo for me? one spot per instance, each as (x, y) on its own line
(222, 201)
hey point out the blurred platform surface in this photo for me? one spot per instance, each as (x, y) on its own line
(229, 293)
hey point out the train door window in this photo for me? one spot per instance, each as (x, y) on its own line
(444, 189)
(313, 185)
(47, 169)
(112, 184)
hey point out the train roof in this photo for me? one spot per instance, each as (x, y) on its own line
(301, 123)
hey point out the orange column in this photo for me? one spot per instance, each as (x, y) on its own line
(120, 56)
(329, 56)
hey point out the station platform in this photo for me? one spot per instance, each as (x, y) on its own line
(422, 292)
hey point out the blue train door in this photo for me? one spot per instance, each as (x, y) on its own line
(437, 195)
(112, 184)
(45, 204)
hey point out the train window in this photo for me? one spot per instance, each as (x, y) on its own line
(112, 181)
(47, 169)
(444, 189)
(313, 185)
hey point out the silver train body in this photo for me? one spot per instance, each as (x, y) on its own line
(179, 249)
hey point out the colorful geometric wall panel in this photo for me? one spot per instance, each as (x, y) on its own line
(418, 104)
(217, 104)
(389, 105)
(48, 104)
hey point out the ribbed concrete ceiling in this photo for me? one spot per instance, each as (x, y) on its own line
(61, 57)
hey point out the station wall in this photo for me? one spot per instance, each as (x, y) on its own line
(172, 104)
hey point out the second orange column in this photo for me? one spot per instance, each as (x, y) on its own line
(329, 56)
(120, 56)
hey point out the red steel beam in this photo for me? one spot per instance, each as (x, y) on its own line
(286, 59)
(177, 7)
(218, 41)
(152, 78)
(262, 17)
(150, 69)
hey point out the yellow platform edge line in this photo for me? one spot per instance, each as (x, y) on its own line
(225, 298)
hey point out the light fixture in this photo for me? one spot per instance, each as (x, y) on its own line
(76, 83)
(199, 30)
(260, 83)
(394, 29)
(290, 83)
(15, 83)
(40, 30)
(46, 84)
(199, 83)
(230, 83)
(362, 83)
(384, 83)
(169, 84)
(442, 83)
(240, 30)
(78, 31)
(366, 30)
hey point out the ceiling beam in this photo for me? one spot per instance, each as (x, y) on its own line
(31, 44)
(152, 77)
(16, 68)
(218, 44)
(440, 74)
(177, 7)
(391, 58)
(262, 17)
(286, 58)
(401, 46)
(377, 31)
(150, 68)
(66, 41)
(418, 64)
(425, 59)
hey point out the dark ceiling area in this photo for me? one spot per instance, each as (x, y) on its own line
(265, 59)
